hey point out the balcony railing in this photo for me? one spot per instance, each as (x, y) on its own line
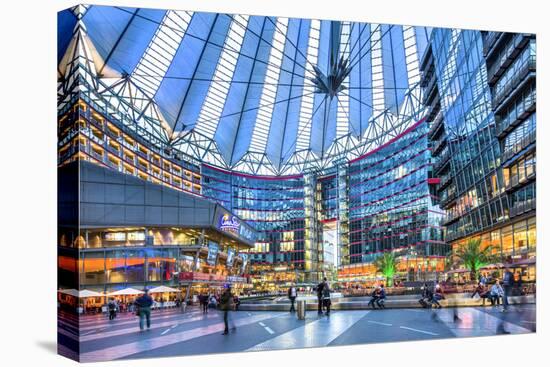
(507, 125)
(490, 40)
(513, 48)
(438, 144)
(516, 182)
(443, 160)
(526, 68)
(448, 199)
(523, 207)
(518, 147)
(436, 124)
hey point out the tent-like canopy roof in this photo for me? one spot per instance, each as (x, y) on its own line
(163, 289)
(84, 293)
(256, 94)
(126, 292)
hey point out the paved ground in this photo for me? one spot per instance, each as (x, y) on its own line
(173, 333)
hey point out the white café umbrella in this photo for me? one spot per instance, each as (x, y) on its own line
(126, 292)
(82, 293)
(163, 289)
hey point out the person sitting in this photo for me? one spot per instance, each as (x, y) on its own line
(374, 297)
(213, 302)
(496, 293)
(381, 297)
(438, 295)
(426, 297)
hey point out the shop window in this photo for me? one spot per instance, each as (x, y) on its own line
(507, 241)
(520, 238)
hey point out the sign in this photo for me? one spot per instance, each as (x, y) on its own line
(230, 257)
(115, 236)
(245, 262)
(236, 279)
(212, 253)
(229, 223)
(136, 236)
(247, 233)
(193, 276)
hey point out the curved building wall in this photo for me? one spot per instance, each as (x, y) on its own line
(275, 208)
(390, 209)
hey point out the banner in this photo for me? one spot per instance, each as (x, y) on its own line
(230, 257)
(212, 253)
(245, 262)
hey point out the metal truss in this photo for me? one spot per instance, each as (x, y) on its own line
(129, 99)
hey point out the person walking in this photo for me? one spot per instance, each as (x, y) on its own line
(292, 294)
(319, 289)
(225, 304)
(507, 283)
(143, 304)
(113, 307)
(203, 300)
(326, 298)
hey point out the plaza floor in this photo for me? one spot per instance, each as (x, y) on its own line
(174, 333)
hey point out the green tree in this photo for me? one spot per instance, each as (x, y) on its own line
(473, 256)
(387, 265)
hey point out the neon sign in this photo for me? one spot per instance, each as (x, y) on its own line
(229, 223)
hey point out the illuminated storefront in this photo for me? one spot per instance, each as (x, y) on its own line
(148, 237)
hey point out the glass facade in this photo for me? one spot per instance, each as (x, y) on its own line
(390, 207)
(384, 159)
(275, 208)
(483, 135)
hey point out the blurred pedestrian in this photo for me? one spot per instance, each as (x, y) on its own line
(225, 305)
(326, 298)
(507, 283)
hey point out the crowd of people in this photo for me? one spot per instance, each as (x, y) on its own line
(431, 295)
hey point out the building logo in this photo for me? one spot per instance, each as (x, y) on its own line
(229, 223)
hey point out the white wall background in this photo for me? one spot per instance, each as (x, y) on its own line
(28, 180)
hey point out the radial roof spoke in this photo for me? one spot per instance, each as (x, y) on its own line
(252, 93)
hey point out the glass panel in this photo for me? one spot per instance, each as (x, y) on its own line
(94, 268)
(115, 264)
(135, 263)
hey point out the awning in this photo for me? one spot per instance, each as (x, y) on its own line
(163, 289)
(126, 292)
(82, 293)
